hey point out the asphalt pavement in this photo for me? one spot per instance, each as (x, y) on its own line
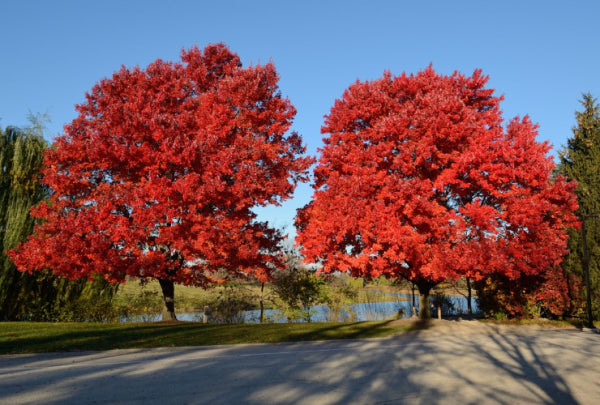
(455, 363)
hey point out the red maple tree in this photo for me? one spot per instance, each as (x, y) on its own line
(419, 179)
(158, 175)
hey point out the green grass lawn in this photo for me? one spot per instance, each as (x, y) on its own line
(34, 337)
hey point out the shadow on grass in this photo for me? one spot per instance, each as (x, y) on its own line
(42, 337)
(356, 330)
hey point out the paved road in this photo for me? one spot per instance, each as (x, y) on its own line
(449, 364)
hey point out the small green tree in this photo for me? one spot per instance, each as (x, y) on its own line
(580, 160)
(298, 288)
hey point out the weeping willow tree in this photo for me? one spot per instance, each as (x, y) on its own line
(39, 296)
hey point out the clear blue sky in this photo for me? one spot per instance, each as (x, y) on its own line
(540, 54)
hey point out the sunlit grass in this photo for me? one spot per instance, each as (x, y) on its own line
(32, 337)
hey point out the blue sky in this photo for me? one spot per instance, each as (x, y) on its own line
(541, 55)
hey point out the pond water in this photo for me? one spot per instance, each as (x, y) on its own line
(399, 305)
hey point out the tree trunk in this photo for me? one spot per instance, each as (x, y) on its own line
(469, 307)
(414, 307)
(424, 290)
(262, 304)
(168, 290)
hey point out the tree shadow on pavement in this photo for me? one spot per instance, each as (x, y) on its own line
(420, 367)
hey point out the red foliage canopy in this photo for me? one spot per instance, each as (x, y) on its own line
(419, 179)
(158, 175)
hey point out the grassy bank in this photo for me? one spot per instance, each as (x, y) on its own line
(134, 298)
(31, 337)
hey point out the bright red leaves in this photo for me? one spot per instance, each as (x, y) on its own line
(158, 175)
(419, 179)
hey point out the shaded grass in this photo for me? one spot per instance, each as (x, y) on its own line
(34, 337)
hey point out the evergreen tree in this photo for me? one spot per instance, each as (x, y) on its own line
(580, 160)
(39, 296)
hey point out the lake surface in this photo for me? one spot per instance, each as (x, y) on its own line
(400, 305)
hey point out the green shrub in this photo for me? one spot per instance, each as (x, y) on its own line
(228, 306)
(297, 290)
(339, 293)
